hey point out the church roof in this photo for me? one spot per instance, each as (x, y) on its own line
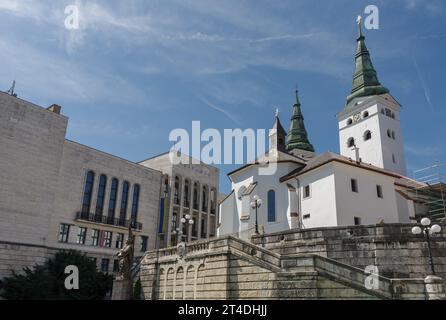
(328, 157)
(281, 157)
(365, 78)
(297, 135)
(278, 126)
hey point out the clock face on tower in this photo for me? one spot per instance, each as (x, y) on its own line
(356, 117)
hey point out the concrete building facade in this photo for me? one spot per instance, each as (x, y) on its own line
(189, 190)
(57, 194)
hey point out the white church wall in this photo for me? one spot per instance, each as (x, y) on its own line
(321, 205)
(364, 204)
(264, 183)
(393, 146)
(229, 221)
(405, 207)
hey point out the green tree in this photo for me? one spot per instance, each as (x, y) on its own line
(47, 281)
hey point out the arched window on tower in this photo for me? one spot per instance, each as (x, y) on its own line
(88, 190)
(349, 121)
(389, 134)
(365, 114)
(271, 206)
(351, 142)
(367, 135)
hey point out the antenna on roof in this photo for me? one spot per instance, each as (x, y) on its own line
(11, 90)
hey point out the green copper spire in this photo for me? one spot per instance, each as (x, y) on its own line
(365, 79)
(297, 137)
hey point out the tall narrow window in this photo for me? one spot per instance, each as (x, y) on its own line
(204, 200)
(101, 195)
(119, 241)
(112, 201)
(195, 200)
(379, 191)
(104, 265)
(176, 191)
(107, 239)
(88, 190)
(82, 235)
(124, 202)
(271, 206)
(186, 194)
(64, 232)
(354, 184)
(135, 202)
(367, 135)
(351, 142)
(307, 192)
(95, 237)
(357, 221)
(144, 241)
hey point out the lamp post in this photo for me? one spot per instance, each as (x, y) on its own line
(255, 204)
(428, 230)
(189, 222)
(178, 233)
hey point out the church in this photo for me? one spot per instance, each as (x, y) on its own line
(365, 184)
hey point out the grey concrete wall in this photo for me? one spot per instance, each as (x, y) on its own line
(391, 247)
(31, 144)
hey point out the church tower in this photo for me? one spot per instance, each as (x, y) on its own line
(297, 139)
(369, 124)
(277, 136)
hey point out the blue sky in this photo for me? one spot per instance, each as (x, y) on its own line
(135, 70)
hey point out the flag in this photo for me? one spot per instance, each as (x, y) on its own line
(163, 216)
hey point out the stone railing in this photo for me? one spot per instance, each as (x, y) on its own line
(289, 267)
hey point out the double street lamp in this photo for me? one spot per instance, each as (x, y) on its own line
(189, 222)
(428, 230)
(255, 204)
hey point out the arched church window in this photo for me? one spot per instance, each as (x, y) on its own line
(351, 142)
(382, 111)
(367, 135)
(349, 121)
(271, 206)
(365, 114)
(389, 134)
(393, 115)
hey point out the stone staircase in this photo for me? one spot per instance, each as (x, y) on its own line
(230, 268)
